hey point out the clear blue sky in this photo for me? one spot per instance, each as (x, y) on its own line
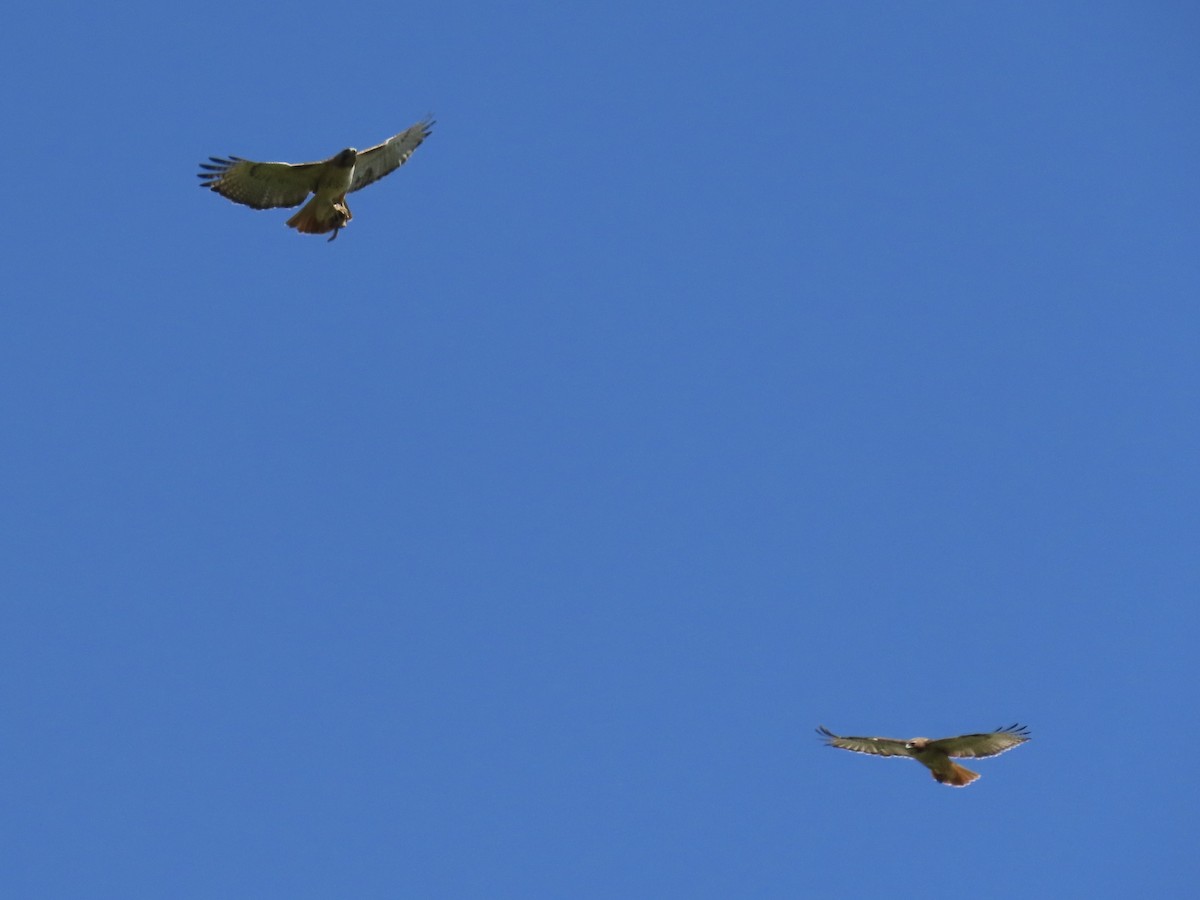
(713, 372)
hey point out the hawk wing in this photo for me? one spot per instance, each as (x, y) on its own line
(383, 159)
(261, 185)
(988, 744)
(877, 745)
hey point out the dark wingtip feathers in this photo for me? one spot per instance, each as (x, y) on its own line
(214, 169)
(1016, 728)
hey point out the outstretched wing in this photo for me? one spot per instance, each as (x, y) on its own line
(261, 185)
(877, 745)
(988, 744)
(383, 159)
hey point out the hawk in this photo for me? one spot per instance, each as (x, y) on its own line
(935, 754)
(267, 185)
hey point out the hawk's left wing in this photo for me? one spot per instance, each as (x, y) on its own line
(383, 159)
(988, 744)
(261, 185)
(879, 746)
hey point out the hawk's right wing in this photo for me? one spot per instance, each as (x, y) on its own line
(383, 159)
(987, 744)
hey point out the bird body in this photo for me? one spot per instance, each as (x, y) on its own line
(268, 185)
(935, 754)
(327, 210)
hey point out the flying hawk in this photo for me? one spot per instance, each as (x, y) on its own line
(935, 754)
(266, 185)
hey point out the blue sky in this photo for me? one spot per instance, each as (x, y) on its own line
(713, 372)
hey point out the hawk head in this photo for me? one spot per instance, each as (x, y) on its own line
(916, 744)
(346, 158)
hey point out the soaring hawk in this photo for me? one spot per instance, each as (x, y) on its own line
(266, 185)
(935, 754)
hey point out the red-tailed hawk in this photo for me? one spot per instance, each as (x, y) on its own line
(267, 185)
(935, 754)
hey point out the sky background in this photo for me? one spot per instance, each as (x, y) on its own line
(714, 371)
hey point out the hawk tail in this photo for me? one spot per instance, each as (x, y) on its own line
(308, 221)
(955, 775)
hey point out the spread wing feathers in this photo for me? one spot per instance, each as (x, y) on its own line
(261, 185)
(879, 746)
(988, 744)
(383, 159)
